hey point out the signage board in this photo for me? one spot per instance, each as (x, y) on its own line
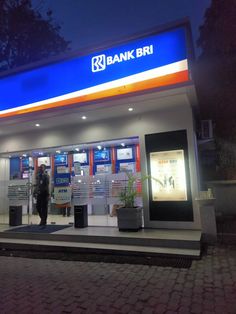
(140, 64)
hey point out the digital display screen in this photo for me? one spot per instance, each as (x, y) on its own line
(81, 158)
(124, 153)
(101, 155)
(60, 159)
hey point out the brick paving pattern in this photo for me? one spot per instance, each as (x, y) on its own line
(52, 286)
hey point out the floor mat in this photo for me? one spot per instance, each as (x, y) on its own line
(39, 229)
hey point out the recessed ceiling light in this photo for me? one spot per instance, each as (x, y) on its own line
(84, 118)
(122, 144)
(37, 124)
(77, 149)
(99, 147)
(58, 151)
(24, 155)
(131, 109)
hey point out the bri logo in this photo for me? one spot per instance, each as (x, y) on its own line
(100, 62)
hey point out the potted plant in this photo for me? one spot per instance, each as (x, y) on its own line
(129, 216)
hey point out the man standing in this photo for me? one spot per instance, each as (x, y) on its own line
(42, 194)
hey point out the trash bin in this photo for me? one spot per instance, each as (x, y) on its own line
(81, 216)
(15, 215)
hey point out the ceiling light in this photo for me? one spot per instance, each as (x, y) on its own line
(24, 155)
(84, 118)
(37, 124)
(131, 109)
(77, 149)
(122, 144)
(99, 147)
(58, 151)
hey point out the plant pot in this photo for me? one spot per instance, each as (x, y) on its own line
(129, 219)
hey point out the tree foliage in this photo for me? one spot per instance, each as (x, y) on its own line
(25, 36)
(216, 77)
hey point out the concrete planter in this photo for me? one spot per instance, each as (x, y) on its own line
(129, 219)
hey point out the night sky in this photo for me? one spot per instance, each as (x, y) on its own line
(93, 22)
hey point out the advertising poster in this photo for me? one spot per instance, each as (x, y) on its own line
(81, 158)
(62, 195)
(169, 168)
(44, 161)
(124, 153)
(127, 167)
(103, 169)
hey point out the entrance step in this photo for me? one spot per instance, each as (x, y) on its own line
(109, 240)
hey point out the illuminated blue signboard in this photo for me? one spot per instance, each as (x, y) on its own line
(141, 64)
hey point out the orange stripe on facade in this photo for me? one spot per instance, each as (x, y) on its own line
(170, 79)
(113, 159)
(52, 165)
(91, 162)
(138, 165)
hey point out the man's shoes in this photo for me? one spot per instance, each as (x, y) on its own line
(43, 226)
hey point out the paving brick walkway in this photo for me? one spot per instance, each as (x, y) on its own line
(53, 286)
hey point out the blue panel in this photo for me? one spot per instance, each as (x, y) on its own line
(91, 70)
(15, 168)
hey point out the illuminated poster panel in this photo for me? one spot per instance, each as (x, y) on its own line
(169, 168)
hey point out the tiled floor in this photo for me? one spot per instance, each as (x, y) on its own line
(38, 286)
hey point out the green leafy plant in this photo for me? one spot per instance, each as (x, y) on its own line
(128, 195)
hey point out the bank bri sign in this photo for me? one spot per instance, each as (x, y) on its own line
(141, 64)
